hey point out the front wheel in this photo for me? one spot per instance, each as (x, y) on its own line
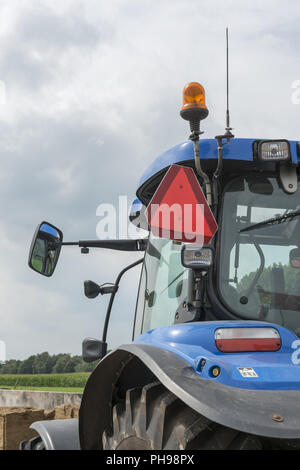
(152, 418)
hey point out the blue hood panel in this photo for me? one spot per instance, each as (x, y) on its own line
(194, 342)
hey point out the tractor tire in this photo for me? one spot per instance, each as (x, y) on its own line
(36, 443)
(152, 418)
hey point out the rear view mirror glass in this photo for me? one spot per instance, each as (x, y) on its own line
(260, 186)
(45, 249)
(295, 258)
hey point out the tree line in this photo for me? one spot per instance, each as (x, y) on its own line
(44, 363)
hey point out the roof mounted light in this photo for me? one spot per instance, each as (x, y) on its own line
(195, 257)
(194, 97)
(273, 151)
(194, 108)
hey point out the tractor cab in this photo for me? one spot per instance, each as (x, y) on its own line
(249, 267)
(255, 271)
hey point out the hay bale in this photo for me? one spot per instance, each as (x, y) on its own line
(15, 422)
(49, 414)
(14, 425)
(66, 411)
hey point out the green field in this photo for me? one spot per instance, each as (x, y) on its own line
(47, 389)
(73, 382)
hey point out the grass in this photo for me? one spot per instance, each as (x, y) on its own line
(46, 389)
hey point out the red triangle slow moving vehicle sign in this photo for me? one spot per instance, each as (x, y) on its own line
(179, 210)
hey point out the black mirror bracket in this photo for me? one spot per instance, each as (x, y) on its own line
(93, 349)
(92, 290)
(288, 178)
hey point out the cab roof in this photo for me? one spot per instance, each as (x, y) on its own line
(237, 149)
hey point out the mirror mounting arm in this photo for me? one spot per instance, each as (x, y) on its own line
(121, 245)
(93, 349)
(112, 297)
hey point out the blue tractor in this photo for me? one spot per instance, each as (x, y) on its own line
(214, 361)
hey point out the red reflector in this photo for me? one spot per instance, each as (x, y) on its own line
(247, 345)
(247, 339)
(179, 210)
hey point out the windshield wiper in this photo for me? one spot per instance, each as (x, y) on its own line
(275, 220)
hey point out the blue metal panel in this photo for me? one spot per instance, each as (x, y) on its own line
(194, 342)
(237, 149)
(294, 151)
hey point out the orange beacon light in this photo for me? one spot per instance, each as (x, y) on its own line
(194, 108)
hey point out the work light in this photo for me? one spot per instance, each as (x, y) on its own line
(195, 257)
(274, 150)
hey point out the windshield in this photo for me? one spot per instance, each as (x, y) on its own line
(256, 279)
(163, 285)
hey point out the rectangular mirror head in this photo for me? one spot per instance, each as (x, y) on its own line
(45, 249)
(93, 349)
(260, 186)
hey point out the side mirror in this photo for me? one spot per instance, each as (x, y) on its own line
(93, 349)
(295, 258)
(45, 249)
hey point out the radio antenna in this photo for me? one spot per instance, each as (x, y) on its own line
(228, 129)
(227, 135)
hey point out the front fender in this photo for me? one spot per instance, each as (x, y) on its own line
(250, 411)
(59, 434)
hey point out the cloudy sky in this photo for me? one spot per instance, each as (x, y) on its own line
(90, 95)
